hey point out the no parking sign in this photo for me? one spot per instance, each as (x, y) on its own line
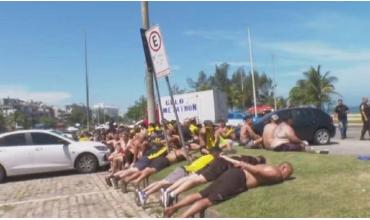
(157, 51)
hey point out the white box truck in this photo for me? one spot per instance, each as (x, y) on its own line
(204, 105)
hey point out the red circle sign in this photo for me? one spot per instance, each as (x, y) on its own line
(155, 41)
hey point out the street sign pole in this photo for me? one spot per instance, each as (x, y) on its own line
(159, 62)
(149, 65)
(175, 111)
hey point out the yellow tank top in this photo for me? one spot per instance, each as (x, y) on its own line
(193, 129)
(229, 131)
(210, 139)
(159, 153)
(199, 163)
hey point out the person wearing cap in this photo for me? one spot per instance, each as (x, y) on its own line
(268, 131)
(341, 114)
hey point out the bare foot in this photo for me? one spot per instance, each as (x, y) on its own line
(168, 212)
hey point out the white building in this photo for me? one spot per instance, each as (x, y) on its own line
(101, 110)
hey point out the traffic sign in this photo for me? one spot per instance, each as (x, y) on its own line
(157, 51)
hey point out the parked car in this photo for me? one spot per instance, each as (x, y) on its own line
(235, 118)
(38, 151)
(310, 124)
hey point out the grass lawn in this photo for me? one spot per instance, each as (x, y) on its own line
(324, 186)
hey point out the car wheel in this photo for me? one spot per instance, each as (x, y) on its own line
(322, 136)
(2, 174)
(86, 163)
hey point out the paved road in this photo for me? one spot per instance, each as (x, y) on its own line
(350, 146)
(66, 195)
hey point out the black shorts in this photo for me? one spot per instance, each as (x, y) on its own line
(159, 163)
(289, 147)
(215, 169)
(142, 163)
(129, 156)
(228, 185)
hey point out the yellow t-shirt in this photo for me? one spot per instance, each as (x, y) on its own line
(193, 129)
(159, 153)
(84, 139)
(199, 163)
(150, 130)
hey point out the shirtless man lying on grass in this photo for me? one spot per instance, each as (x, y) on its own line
(208, 174)
(231, 183)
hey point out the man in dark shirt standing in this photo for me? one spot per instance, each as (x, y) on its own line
(365, 114)
(341, 113)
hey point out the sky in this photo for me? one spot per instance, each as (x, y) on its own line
(42, 50)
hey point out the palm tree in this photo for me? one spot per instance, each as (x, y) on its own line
(316, 88)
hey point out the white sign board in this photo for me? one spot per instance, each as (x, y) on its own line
(157, 52)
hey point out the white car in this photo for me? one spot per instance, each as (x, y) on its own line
(38, 151)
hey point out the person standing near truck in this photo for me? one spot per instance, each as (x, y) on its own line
(365, 114)
(341, 113)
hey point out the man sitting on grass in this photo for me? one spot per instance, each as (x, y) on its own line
(231, 183)
(209, 174)
(285, 138)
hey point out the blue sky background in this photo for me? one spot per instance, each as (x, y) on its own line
(42, 54)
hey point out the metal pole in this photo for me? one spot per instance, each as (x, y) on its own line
(252, 71)
(87, 88)
(274, 86)
(175, 111)
(160, 109)
(148, 74)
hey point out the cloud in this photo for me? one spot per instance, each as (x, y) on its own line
(314, 50)
(231, 63)
(331, 20)
(20, 92)
(175, 67)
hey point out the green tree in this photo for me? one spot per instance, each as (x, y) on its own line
(78, 115)
(137, 111)
(316, 88)
(17, 119)
(202, 83)
(177, 90)
(2, 123)
(48, 122)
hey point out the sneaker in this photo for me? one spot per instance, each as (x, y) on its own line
(170, 200)
(164, 198)
(141, 197)
(108, 181)
(161, 191)
(114, 182)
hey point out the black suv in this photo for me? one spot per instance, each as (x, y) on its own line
(310, 124)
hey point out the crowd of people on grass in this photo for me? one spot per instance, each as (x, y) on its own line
(209, 150)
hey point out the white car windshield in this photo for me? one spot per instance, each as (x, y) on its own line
(63, 134)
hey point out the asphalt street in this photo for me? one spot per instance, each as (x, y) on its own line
(350, 146)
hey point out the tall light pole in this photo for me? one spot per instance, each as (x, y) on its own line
(274, 82)
(148, 74)
(87, 88)
(252, 72)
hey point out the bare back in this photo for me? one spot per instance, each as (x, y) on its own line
(266, 175)
(268, 134)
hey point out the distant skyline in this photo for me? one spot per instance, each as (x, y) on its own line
(42, 51)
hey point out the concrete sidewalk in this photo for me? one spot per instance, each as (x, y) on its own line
(350, 146)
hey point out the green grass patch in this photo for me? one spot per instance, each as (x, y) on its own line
(323, 186)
